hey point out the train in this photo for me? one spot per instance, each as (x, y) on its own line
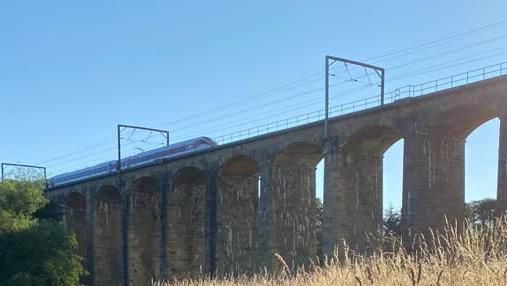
(138, 160)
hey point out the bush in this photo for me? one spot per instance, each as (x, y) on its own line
(33, 251)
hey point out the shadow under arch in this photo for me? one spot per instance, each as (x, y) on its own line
(107, 236)
(301, 153)
(75, 219)
(186, 223)
(375, 139)
(237, 213)
(143, 232)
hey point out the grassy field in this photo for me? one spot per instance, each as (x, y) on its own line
(475, 256)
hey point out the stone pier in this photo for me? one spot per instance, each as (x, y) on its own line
(502, 165)
(353, 190)
(290, 208)
(75, 220)
(237, 221)
(144, 233)
(107, 252)
(186, 224)
(433, 179)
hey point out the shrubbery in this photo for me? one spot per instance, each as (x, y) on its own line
(34, 251)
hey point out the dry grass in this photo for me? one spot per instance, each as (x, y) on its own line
(475, 256)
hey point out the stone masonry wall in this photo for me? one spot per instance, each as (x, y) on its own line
(186, 215)
(433, 179)
(107, 253)
(75, 220)
(143, 236)
(237, 210)
(502, 165)
(293, 214)
(353, 199)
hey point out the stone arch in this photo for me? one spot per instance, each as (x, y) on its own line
(374, 139)
(237, 210)
(460, 121)
(478, 167)
(437, 184)
(107, 236)
(354, 186)
(75, 219)
(365, 149)
(435, 164)
(293, 192)
(300, 153)
(186, 205)
(143, 231)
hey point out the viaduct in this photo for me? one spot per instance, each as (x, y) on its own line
(228, 209)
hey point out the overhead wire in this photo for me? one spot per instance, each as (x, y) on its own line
(316, 101)
(307, 103)
(313, 102)
(302, 81)
(304, 93)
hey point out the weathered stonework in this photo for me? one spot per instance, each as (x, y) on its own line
(107, 246)
(357, 191)
(144, 233)
(433, 179)
(502, 165)
(185, 227)
(237, 208)
(202, 212)
(353, 187)
(75, 220)
(290, 210)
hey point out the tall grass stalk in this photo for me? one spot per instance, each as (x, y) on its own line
(469, 255)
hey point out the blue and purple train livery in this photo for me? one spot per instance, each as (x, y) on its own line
(141, 159)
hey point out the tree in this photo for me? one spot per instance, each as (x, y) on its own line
(392, 222)
(318, 225)
(33, 251)
(481, 212)
(18, 202)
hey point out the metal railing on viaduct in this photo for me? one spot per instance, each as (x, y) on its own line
(230, 208)
(408, 91)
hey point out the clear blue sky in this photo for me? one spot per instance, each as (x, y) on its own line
(71, 70)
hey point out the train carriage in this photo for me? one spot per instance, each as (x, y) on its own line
(141, 159)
